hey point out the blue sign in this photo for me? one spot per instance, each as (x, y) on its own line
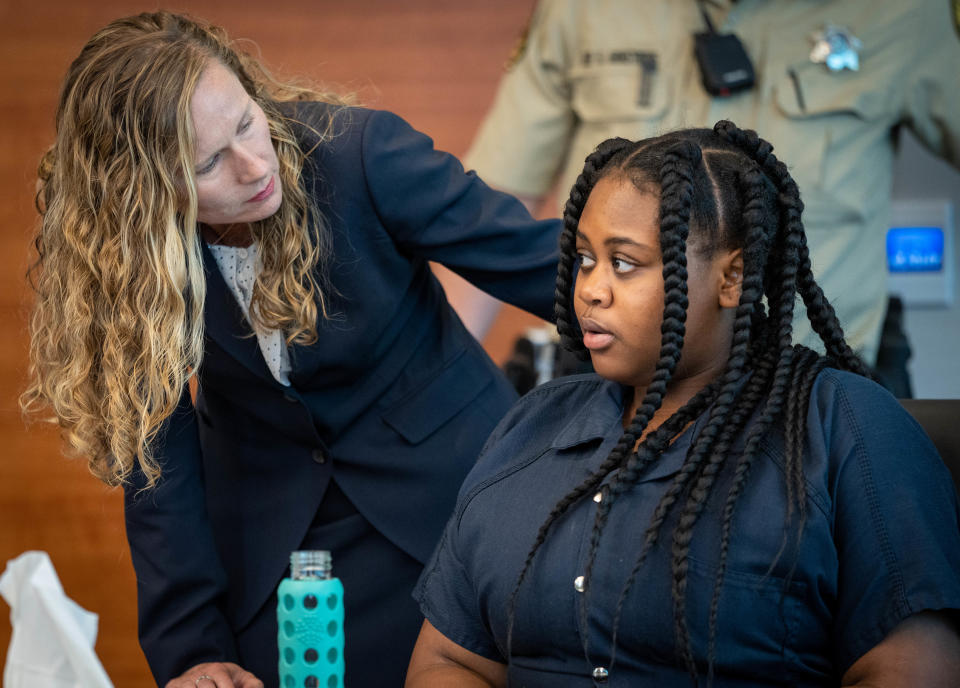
(915, 249)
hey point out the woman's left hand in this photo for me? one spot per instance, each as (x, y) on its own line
(215, 675)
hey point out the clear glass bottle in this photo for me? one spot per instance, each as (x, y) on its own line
(310, 623)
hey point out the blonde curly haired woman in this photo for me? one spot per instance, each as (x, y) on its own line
(201, 221)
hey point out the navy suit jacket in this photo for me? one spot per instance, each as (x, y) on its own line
(394, 401)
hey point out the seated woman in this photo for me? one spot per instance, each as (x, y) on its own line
(717, 506)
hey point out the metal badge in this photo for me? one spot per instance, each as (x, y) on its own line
(836, 47)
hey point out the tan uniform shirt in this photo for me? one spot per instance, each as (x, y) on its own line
(592, 69)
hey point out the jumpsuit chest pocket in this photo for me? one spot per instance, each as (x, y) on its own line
(757, 620)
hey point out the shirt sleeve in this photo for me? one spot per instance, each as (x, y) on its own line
(448, 599)
(180, 580)
(434, 210)
(932, 98)
(524, 138)
(896, 522)
(446, 591)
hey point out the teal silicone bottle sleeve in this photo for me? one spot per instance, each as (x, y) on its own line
(310, 633)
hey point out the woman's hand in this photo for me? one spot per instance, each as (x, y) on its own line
(215, 675)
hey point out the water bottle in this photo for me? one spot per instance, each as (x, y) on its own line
(310, 623)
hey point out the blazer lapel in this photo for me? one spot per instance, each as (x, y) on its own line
(225, 322)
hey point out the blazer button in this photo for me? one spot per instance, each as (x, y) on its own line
(319, 456)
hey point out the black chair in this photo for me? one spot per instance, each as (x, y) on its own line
(940, 419)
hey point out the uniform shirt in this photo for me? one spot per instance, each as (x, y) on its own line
(881, 542)
(601, 68)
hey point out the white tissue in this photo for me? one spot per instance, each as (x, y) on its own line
(53, 636)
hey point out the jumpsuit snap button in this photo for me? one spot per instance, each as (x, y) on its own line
(600, 675)
(578, 584)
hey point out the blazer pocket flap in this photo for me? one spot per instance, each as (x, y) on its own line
(420, 413)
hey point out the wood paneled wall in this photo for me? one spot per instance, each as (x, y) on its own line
(436, 62)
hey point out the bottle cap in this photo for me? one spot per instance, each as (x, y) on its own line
(311, 564)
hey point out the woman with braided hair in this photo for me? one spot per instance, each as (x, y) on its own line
(716, 506)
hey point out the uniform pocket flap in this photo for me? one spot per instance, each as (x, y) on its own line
(425, 409)
(620, 92)
(809, 90)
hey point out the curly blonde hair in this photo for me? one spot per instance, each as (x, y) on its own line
(117, 325)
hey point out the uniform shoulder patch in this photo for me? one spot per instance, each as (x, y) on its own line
(519, 48)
